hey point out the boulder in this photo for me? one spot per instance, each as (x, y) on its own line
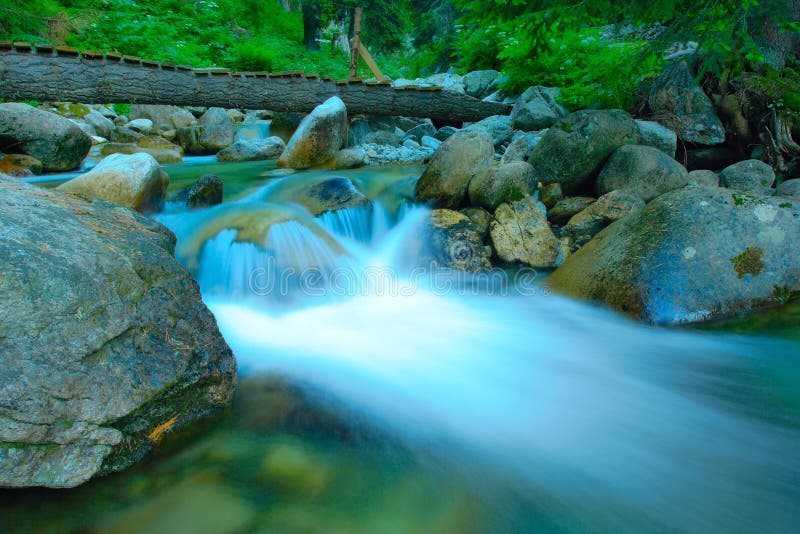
(449, 241)
(537, 108)
(214, 131)
(704, 177)
(161, 149)
(124, 135)
(521, 146)
(502, 183)
(752, 175)
(430, 142)
(350, 158)
(257, 149)
(134, 181)
(462, 157)
(566, 208)
(318, 138)
(443, 133)
(105, 343)
(358, 132)
(55, 141)
(102, 124)
(550, 195)
(678, 102)
(20, 165)
(520, 233)
(421, 130)
(497, 126)
(693, 254)
(235, 115)
(616, 205)
(481, 219)
(331, 194)
(204, 193)
(575, 148)
(163, 117)
(789, 188)
(143, 126)
(476, 83)
(643, 170)
(658, 136)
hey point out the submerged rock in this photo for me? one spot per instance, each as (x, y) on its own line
(462, 157)
(134, 181)
(520, 232)
(258, 149)
(205, 192)
(55, 141)
(643, 170)
(318, 138)
(575, 148)
(105, 343)
(694, 254)
(331, 194)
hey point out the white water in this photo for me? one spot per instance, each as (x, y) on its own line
(596, 423)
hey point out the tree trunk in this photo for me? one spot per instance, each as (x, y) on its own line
(774, 41)
(312, 13)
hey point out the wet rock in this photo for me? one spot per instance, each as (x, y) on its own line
(258, 149)
(20, 165)
(462, 157)
(163, 117)
(134, 181)
(550, 195)
(331, 194)
(693, 254)
(318, 138)
(575, 148)
(658, 136)
(704, 178)
(679, 103)
(521, 146)
(789, 188)
(55, 141)
(476, 83)
(616, 205)
(643, 170)
(502, 183)
(214, 132)
(520, 233)
(449, 241)
(568, 207)
(752, 175)
(143, 126)
(480, 220)
(161, 149)
(350, 158)
(537, 108)
(205, 192)
(106, 342)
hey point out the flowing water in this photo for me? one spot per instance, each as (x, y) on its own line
(377, 397)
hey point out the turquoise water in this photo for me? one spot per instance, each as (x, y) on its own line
(378, 400)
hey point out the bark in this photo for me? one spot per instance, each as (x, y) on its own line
(49, 77)
(765, 27)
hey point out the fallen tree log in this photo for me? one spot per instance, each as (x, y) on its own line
(64, 74)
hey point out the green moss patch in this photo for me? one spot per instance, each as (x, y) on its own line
(748, 262)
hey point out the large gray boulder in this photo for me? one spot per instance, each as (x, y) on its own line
(752, 175)
(105, 343)
(163, 117)
(575, 148)
(55, 141)
(694, 254)
(135, 181)
(502, 183)
(253, 150)
(102, 124)
(642, 170)
(520, 233)
(461, 157)
(537, 108)
(678, 102)
(521, 145)
(214, 131)
(318, 138)
(497, 126)
(658, 136)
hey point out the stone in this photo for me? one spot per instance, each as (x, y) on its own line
(204, 193)
(284, 124)
(658, 136)
(161, 149)
(382, 137)
(319, 137)
(704, 178)
(537, 108)
(751, 175)
(421, 130)
(143, 126)
(480, 219)
(135, 181)
(476, 83)
(449, 240)
(789, 188)
(678, 102)
(497, 126)
(443, 133)
(163, 117)
(358, 132)
(55, 141)
(214, 132)
(616, 205)
(20, 165)
(410, 143)
(502, 183)
(566, 208)
(520, 147)
(235, 115)
(102, 124)
(258, 149)
(431, 142)
(462, 157)
(642, 170)
(331, 194)
(106, 344)
(124, 135)
(574, 149)
(520, 233)
(550, 194)
(350, 158)
(694, 254)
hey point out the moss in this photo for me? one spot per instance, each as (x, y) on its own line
(785, 205)
(748, 262)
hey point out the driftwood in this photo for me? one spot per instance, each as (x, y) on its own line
(65, 74)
